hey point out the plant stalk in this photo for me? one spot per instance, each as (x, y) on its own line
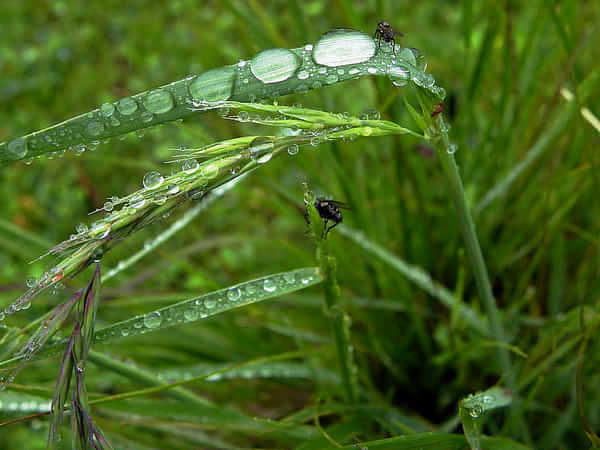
(446, 155)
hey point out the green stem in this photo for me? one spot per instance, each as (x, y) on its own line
(339, 320)
(446, 155)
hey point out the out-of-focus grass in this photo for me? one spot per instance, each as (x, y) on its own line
(503, 65)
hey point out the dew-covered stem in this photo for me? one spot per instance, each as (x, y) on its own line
(338, 318)
(340, 55)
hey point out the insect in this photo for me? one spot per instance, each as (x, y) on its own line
(387, 33)
(329, 210)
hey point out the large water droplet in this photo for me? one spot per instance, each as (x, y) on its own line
(210, 303)
(152, 180)
(293, 149)
(214, 85)
(127, 106)
(343, 47)
(153, 320)
(159, 101)
(274, 65)
(17, 148)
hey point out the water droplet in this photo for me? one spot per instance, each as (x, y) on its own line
(261, 149)
(125, 332)
(31, 282)
(309, 197)
(315, 140)
(303, 75)
(343, 47)
(159, 101)
(214, 85)
(147, 116)
(293, 149)
(274, 65)
(308, 47)
(152, 180)
(424, 80)
(190, 166)
(250, 289)
(172, 189)
(95, 128)
(234, 294)
(137, 201)
(331, 78)
(452, 148)
(306, 280)
(190, 314)
(81, 228)
(269, 285)
(100, 231)
(399, 75)
(475, 411)
(18, 148)
(152, 320)
(107, 109)
(127, 106)
(487, 399)
(210, 303)
(419, 57)
(289, 277)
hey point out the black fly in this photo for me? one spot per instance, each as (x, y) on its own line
(329, 210)
(387, 33)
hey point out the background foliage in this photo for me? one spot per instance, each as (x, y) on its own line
(503, 65)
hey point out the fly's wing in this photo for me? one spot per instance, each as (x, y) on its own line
(340, 205)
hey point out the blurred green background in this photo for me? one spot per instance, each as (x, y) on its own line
(503, 65)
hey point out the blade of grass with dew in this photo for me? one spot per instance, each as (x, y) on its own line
(198, 308)
(473, 408)
(338, 56)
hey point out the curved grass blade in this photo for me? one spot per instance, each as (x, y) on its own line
(472, 409)
(337, 56)
(201, 307)
(213, 303)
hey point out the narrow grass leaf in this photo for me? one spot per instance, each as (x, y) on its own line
(472, 409)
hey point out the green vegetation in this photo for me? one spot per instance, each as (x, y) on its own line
(457, 305)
